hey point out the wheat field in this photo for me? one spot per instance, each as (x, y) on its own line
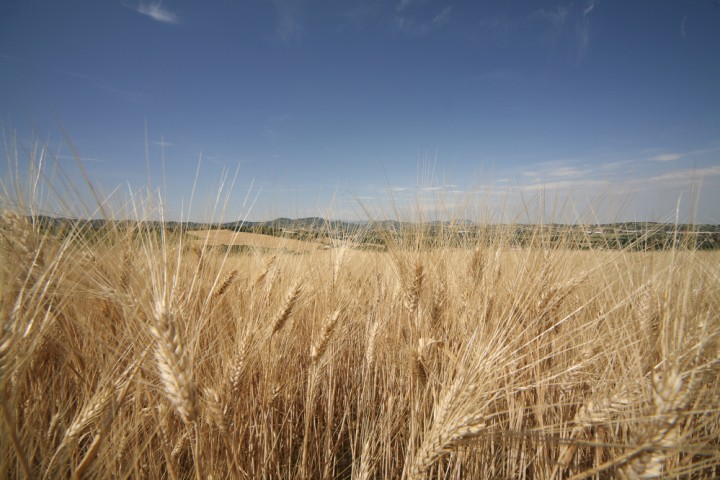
(134, 352)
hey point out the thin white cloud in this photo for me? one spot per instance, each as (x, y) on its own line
(570, 23)
(289, 25)
(577, 184)
(556, 17)
(442, 18)
(414, 28)
(129, 95)
(566, 172)
(440, 188)
(404, 4)
(674, 156)
(684, 176)
(495, 75)
(156, 11)
(582, 29)
(589, 8)
(683, 27)
(82, 159)
(667, 157)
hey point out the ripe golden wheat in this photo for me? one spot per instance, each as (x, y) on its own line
(133, 353)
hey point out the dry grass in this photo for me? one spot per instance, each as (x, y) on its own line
(135, 355)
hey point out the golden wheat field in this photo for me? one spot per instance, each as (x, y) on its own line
(131, 352)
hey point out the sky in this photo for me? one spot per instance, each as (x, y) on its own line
(568, 111)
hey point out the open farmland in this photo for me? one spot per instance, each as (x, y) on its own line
(130, 354)
(255, 241)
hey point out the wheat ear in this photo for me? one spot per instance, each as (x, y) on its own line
(320, 345)
(226, 283)
(214, 410)
(477, 264)
(412, 295)
(662, 436)
(456, 418)
(287, 307)
(439, 303)
(173, 364)
(239, 361)
(372, 343)
(444, 441)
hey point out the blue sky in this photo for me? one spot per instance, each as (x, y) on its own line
(343, 108)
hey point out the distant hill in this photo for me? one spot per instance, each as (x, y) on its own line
(319, 223)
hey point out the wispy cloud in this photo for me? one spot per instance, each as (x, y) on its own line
(495, 75)
(442, 18)
(589, 8)
(683, 27)
(403, 4)
(556, 16)
(156, 11)
(570, 22)
(289, 26)
(582, 27)
(684, 176)
(566, 172)
(674, 156)
(82, 159)
(129, 95)
(667, 157)
(450, 187)
(411, 26)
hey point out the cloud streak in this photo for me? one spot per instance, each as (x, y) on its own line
(289, 25)
(582, 27)
(129, 95)
(156, 11)
(570, 22)
(683, 27)
(413, 28)
(667, 157)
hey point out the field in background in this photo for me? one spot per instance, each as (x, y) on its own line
(250, 241)
(131, 352)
